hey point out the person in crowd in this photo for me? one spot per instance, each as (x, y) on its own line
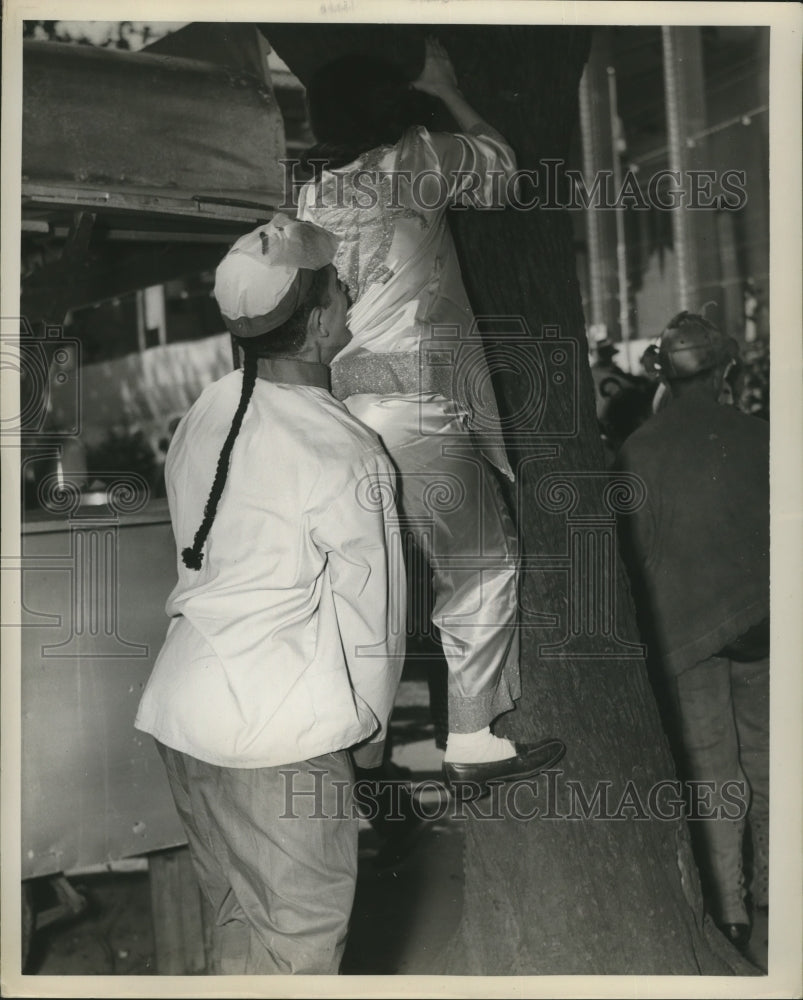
(609, 378)
(732, 388)
(283, 652)
(699, 551)
(623, 400)
(384, 183)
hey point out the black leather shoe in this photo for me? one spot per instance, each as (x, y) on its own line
(472, 781)
(737, 934)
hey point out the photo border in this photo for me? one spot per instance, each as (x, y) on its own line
(785, 21)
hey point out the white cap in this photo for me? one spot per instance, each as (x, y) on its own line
(262, 280)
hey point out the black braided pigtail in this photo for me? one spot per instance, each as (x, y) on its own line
(193, 556)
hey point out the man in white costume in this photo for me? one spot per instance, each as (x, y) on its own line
(384, 191)
(282, 653)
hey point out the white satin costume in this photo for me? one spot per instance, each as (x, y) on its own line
(400, 264)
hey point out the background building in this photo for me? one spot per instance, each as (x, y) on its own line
(687, 99)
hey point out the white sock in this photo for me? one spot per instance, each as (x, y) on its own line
(477, 748)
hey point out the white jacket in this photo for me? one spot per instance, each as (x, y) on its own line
(289, 642)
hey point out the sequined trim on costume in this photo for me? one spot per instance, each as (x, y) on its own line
(366, 230)
(389, 374)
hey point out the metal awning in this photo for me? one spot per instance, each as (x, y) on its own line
(137, 167)
(151, 135)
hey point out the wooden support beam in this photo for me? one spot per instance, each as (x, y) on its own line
(694, 233)
(598, 154)
(176, 906)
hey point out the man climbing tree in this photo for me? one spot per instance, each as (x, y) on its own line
(592, 870)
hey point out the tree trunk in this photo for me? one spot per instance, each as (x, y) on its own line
(617, 891)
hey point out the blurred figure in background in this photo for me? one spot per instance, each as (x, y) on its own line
(699, 557)
(623, 400)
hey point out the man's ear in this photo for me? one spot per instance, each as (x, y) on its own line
(316, 324)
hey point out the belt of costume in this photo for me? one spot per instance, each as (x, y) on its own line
(392, 373)
(406, 372)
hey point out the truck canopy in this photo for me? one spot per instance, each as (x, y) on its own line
(147, 132)
(136, 168)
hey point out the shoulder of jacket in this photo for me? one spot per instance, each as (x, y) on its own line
(221, 389)
(342, 429)
(362, 444)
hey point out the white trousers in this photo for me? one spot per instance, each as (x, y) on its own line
(453, 508)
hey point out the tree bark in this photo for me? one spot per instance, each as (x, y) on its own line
(558, 893)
